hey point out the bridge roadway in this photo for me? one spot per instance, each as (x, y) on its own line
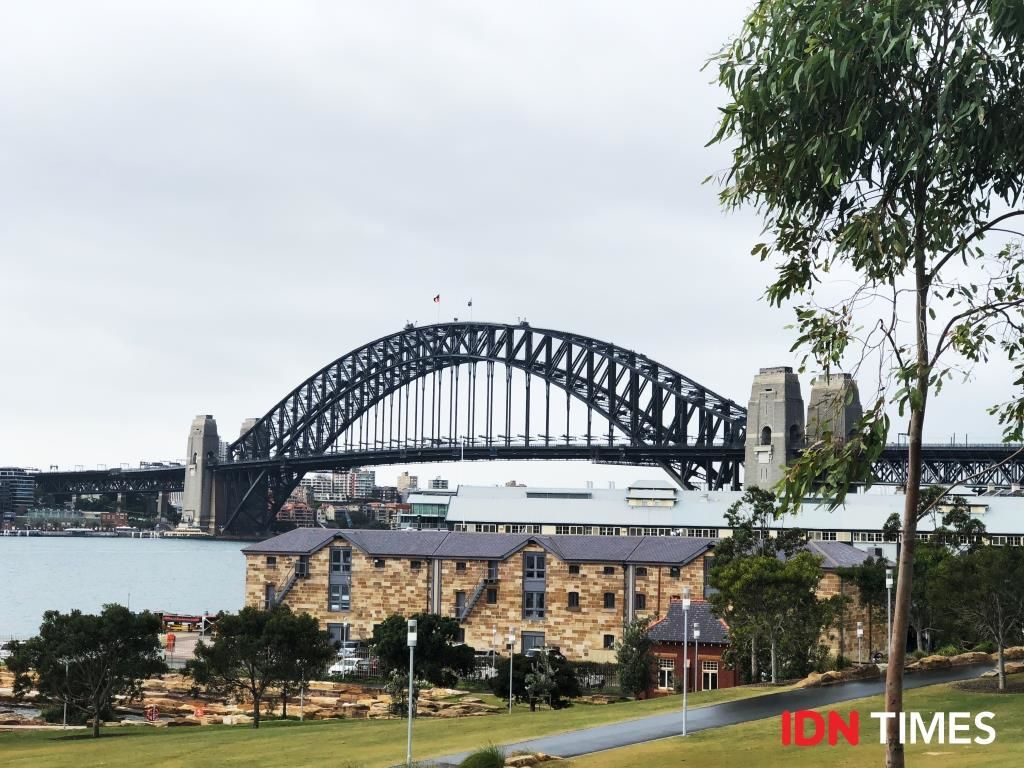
(645, 729)
(988, 464)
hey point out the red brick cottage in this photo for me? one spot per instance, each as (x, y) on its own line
(705, 672)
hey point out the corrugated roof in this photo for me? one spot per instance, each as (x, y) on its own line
(837, 554)
(670, 628)
(396, 543)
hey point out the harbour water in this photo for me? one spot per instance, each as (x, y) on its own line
(63, 573)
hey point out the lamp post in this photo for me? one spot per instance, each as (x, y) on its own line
(686, 651)
(494, 650)
(860, 634)
(411, 640)
(66, 673)
(698, 682)
(511, 653)
(888, 610)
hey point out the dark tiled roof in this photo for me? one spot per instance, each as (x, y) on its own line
(396, 543)
(837, 554)
(480, 546)
(670, 550)
(300, 541)
(670, 628)
(591, 548)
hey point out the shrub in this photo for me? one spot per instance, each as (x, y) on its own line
(986, 647)
(948, 650)
(918, 655)
(488, 757)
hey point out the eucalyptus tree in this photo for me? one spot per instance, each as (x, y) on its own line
(882, 142)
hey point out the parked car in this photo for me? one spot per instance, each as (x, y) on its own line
(349, 648)
(345, 666)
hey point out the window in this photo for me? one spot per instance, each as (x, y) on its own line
(822, 535)
(674, 571)
(341, 560)
(640, 570)
(302, 566)
(486, 528)
(651, 532)
(608, 530)
(492, 596)
(533, 565)
(268, 597)
(609, 570)
(378, 562)
(766, 435)
(708, 563)
(460, 635)
(492, 570)
(271, 561)
(519, 528)
(868, 536)
(533, 605)
(338, 597)
(460, 567)
(532, 640)
(574, 599)
(609, 599)
(609, 642)
(666, 674)
(702, 533)
(415, 564)
(460, 603)
(574, 569)
(459, 527)
(576, 530)
(641, 601)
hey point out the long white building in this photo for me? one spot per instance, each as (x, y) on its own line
(656, 508)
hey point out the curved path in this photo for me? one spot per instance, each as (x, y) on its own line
(629, 732)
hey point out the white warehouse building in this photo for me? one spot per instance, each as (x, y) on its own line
(658, 508)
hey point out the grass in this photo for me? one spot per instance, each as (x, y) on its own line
(758, 743)
(359, 743)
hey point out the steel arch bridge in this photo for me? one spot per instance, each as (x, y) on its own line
(475, 390)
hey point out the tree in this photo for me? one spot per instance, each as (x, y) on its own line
(439, 659)
(635, 656)
(306, 650)
(766, 585)
(537, 679)
(988, 585)
(869, 580)
(87, 660)
(884, 141)
(254, 650)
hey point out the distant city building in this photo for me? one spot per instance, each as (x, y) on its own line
(361, 483)
(407, 483)
(17, 491)
(427, 510)
(297, 512)
(387, 493)
(327, 486)
(438, 484)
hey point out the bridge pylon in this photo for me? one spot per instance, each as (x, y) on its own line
(775, 426)
(198, 507)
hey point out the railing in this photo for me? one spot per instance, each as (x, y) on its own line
(474, 599)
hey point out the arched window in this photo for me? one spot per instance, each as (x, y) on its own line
(766, 435)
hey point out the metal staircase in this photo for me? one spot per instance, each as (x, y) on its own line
(474, 599)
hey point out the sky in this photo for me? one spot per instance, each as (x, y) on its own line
(204, 203)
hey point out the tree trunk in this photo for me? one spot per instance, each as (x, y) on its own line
(284, 701)
(96, 725)
(755, 668)
(1002, 668)
(920, 638)
(775, 679)
(256, 701)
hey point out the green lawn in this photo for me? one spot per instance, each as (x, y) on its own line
(339, 744)
(759, 744)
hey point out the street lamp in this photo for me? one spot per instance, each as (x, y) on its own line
(888, 610)
(511, 650)
(860, 634)
(494, 650)
(411, 640)
(686, 651)
(698, 682)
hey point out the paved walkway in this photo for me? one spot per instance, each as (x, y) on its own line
(623, 734)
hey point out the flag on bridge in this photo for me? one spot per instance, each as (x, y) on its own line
(437, 299)
(469, 303)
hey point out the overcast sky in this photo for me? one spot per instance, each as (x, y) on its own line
(203, 203)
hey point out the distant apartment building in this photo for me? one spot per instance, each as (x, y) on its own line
(297, 512)
(407, 483)
(439, 484)
(17, 491)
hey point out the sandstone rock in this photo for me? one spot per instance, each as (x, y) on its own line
(973, 657)
(934, 662)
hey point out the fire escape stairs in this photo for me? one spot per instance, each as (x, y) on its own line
(299, 570)
(474, 599)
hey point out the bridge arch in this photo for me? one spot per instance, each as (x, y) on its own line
(611, 397)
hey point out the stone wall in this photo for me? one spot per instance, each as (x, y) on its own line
(844, 633)
(395, 587)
